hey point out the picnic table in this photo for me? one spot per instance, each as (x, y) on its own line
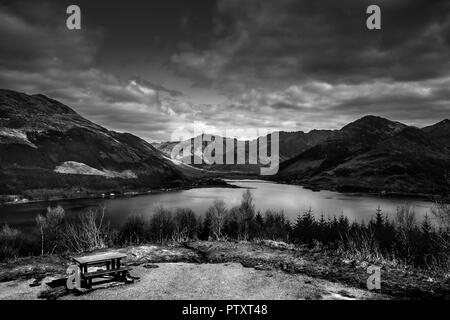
(110, 260)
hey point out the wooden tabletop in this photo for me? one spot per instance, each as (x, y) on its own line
(99, 257)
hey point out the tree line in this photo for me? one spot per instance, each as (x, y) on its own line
(402, 238)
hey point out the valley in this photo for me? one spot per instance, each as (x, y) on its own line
(48, 151)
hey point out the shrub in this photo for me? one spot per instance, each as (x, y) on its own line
(87, 233)
(162, 226)
(134, 230)
(217, 214)
(51, 229)
(275, 226)
(186, 225)
(14, 243)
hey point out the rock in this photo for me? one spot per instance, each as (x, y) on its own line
(364, 264)
(36, 283)
(347, 261)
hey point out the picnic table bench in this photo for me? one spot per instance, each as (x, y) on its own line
(110, 260)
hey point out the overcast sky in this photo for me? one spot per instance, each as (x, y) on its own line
(150, 67)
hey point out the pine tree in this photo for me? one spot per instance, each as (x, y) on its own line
(259, 225)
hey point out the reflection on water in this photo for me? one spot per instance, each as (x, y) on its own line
(289, 198)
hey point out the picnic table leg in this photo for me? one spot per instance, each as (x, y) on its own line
(116, 266)
(84, 270)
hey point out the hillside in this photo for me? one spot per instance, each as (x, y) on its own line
(373, 154)
(290, 145)
(440, 132)
(47, 145)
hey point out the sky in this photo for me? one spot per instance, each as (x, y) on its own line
(154, 67)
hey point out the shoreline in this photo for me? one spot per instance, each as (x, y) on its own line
(115, 195)
(380, 194)
(224, 183)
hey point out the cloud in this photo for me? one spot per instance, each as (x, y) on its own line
(39, 56)
(283, 65)
(39, 42)
(265, 43)
(318, 104)
(294, 64)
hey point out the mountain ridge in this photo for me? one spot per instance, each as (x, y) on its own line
(370, 154)
(46, 144)
(39, 134)
(373, 154)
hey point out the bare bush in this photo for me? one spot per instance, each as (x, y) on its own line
(161, 224)
(88, 233)
(14, 243)
(405, 223)
(441, 211)
(51, 228)
(134, 230)
(217, 212)
(362, 246)
(185, 224)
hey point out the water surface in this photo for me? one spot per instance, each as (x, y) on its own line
(267, 195)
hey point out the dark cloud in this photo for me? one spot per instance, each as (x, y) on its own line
(267, 42)
(283, 65)
(36, 42)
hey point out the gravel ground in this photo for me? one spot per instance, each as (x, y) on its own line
(221, 270)
(222, 281)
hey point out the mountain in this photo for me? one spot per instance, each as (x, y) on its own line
(440, 132)
(374, 154)
(44, 144)
(290, 145)
(294, 143)
(47, 148)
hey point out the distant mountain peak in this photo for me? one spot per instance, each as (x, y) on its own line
(372, 126)
(445, 121)
(371, 119)
(439, 125)
(14, 101)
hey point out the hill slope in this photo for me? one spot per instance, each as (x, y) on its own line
(45, 144)
(373, 154)
(290, 145)
(440, 132)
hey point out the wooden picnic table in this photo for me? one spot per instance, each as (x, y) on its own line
(112, 261)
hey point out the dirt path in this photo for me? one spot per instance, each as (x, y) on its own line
(193, 281)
